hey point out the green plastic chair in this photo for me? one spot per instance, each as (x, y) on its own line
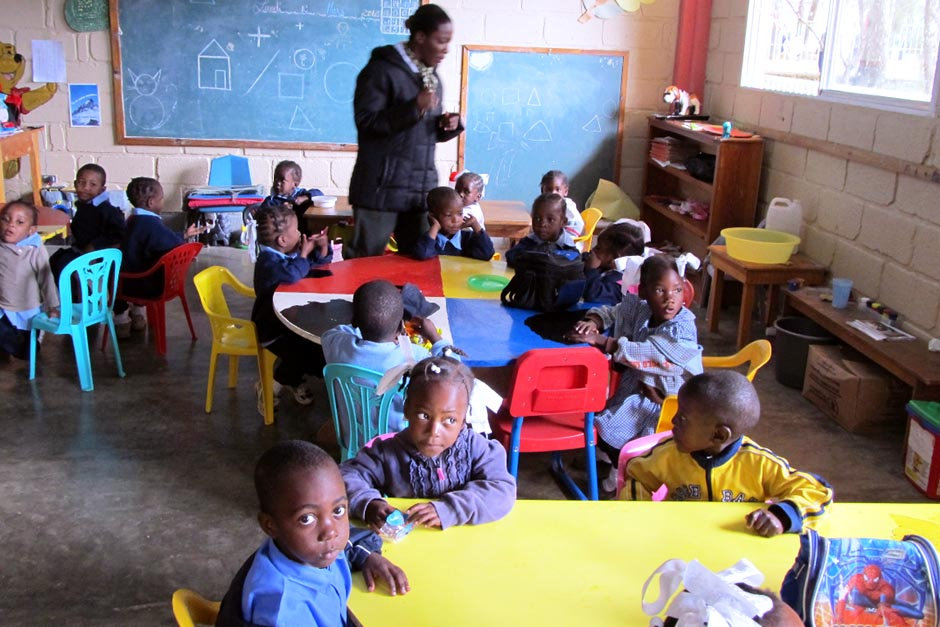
(358, 413)
(97, 276)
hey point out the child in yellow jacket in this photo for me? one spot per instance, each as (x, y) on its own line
(710, 458)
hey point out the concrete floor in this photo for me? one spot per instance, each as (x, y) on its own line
(112, 499)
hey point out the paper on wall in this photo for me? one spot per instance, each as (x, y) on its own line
(48, 61)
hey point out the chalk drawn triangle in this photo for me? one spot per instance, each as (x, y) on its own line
(482, 127)
(299, 121)
(593, 125)
(534, 100)
(493, 144)
(538, 132)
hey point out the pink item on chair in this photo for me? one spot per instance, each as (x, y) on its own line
(635, 448)
(383, 436)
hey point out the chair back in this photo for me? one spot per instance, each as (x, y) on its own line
(175, 265)
(96, 274)
(688, 293)
(551, 381)
(755, 355)
(359, 414)
(636, 448)
(191, 609)
(209, 285)
(591, 216)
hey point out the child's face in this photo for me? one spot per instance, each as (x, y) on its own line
(289, 240)
(155, 202)
(469, 194)
(285, 182)
(548, 221)
(88, 185)
(557, 186)
(694, 428)
(436, 414)
(450, 218)
(310, 518)
(664, 296)
(16, 223)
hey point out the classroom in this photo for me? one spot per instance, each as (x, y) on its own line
(275, 133)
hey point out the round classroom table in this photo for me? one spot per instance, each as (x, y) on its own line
(476, 321)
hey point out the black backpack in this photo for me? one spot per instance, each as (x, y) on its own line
(544, 281)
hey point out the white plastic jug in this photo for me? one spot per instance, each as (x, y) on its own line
(785, 215)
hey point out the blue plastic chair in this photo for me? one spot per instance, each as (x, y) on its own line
(363, 415)
(97, 277)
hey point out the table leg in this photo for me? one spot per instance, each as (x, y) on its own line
(714, 300)
(773, 302)
(747, 307)
(35, 169)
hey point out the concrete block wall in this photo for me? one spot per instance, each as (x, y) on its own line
(649, 35)
(879, 228)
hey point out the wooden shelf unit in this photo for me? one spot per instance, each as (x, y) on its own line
(732, 195)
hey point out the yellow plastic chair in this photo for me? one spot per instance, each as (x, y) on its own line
(755, 355)
(590, 217)
(191, 609)
(233, 336)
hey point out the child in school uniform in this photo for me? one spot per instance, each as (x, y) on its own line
(26, 283)
(556, 181)
(548, 224)
(286, 190)
(710, 458)
(286, 257)
(437, 457)
(469, 186)
(602, 278)
(302, 573)
(376, 340)
(450, 232)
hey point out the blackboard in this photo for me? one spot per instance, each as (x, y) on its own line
(538, 109)
(274, 73)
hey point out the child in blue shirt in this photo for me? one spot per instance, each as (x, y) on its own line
(548, 223)
(286, 190)
(602, 278)
(451, 233)
(286, 257)
(301, 574)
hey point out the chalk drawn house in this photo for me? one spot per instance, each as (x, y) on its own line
(214, 68)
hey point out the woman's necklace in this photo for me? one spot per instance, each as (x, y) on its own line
(428, 78)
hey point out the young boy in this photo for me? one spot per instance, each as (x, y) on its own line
(556, 181)
(548, 223)
(709, 457)
(301, 574)
(469, 186)
(447, 235)
(602, 279)
(375, 339)
(286, 257)
(286, 190)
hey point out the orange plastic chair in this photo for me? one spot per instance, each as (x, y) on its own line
(554, 395)
(191, 609)
(175, 265)
(636, 448)
(233, 336)
(590, 216)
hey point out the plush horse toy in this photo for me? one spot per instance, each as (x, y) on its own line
(683, 103)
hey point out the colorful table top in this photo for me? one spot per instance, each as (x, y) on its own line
(584, 563)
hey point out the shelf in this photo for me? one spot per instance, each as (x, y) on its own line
(700, 137)
(682, 175)
(698, 227)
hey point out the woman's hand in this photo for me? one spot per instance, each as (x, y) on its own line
(449, 121)
(426, 101)
(376, 512)
(379, 568)
(423, 514)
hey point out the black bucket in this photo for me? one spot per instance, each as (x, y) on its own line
(791, 345)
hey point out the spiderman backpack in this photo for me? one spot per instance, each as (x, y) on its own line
(864, 581)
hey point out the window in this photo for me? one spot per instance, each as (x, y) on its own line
(880, 53)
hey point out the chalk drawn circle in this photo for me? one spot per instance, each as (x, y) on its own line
(339, 82)
(342, 28)
(147, 112)
(305, 59)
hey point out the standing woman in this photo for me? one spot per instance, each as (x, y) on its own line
(399, 118)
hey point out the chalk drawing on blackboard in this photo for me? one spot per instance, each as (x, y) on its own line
(304, 59)
(300, 122)
(481, 61)
(482, 127)
(339, 82)
(263, 70)
(299, 25)
(290, 86)
(145, 84)
(214, 68)
(506, 131)
(146, 110)
(343, 38)
(393, 14)
(258, 36)
(202, 1)
(538, 132)
(593, 125)
(534, 100)
(510, 96)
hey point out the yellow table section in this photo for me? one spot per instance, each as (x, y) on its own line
(584, 563)
(456, 272)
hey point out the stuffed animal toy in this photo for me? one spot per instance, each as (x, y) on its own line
(15, 101)
(683, 103)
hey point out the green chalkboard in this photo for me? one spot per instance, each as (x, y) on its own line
(533, 110)
(277, 73)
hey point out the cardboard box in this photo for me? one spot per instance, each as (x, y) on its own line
(859, 395)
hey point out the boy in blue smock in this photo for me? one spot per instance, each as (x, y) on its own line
(450, 232)
(548, 230)
(286, 190)
(301, 574)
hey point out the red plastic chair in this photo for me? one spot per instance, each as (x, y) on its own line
(175, 265)
(635, 448)
(555, 392)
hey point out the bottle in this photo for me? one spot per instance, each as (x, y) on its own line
(785, 215)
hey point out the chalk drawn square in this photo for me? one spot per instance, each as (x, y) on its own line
(290, 86)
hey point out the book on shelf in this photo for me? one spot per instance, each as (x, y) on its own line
(880, 331)
(666, 150)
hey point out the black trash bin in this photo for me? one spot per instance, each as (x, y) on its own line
(791, 345)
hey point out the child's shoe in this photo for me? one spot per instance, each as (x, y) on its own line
(138, 321)
(122, 325)
(303, 394)
(259, 394)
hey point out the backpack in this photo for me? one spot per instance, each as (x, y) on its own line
(544, 280)
(863, 581)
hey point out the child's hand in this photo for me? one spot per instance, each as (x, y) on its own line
(53, 312)
(428, 330)
(426, 101)
(435, 226)
(471, 222)
(423, 514)
(652, 393)
(376, 513)
(299, 200)
(322, 242)
(593, 338)
(194, 230)
(306, 245)
(764, 523)
(588, 325)
(379, 568)
(591, 261)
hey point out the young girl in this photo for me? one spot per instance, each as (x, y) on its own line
(654, 337)
(26, 283)
(602, 278)
(469, 186)
(436, 457)
(556, 181)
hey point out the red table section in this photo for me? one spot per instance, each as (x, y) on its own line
(347, 277)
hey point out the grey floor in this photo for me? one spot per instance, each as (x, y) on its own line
(112, 499)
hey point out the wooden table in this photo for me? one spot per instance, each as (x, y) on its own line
(504, 218)
(908, 360)
(751, 275)
(584, 562)
(24, 143)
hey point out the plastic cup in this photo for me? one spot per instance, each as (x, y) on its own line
(841, 290)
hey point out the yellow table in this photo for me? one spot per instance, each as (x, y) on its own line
(455, 271)
(48, 231)
(584, 563)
